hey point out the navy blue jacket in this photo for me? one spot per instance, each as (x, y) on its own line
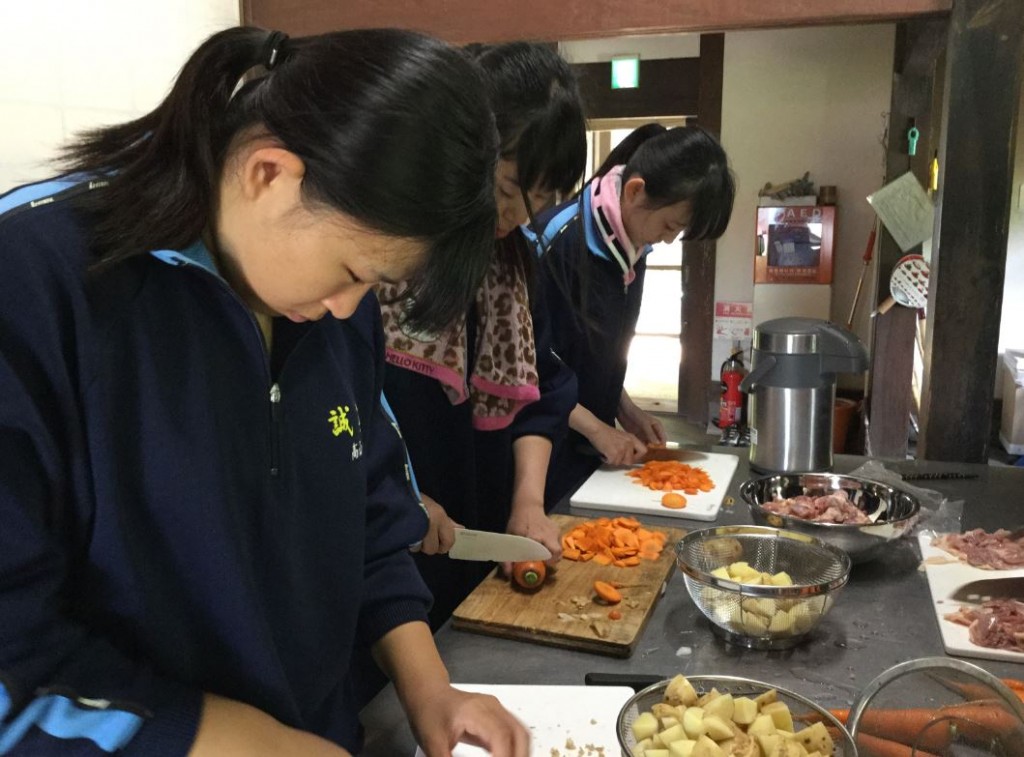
(174, 517)
(592, 335)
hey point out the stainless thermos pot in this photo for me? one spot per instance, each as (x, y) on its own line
(792, 391)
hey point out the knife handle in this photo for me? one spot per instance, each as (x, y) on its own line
(635, 681)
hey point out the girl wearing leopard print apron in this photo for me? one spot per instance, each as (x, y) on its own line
(481, 404)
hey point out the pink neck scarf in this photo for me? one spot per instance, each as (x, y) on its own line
(606, 206)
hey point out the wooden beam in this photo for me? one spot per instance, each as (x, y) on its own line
(983, 82)
(464, 21)
(918, 47)
(697, 309)
(668, 87)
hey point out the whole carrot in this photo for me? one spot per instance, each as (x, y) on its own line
(874, 746)
(935, 729)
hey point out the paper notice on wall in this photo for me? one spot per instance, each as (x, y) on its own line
(733, 320)
(906, 211)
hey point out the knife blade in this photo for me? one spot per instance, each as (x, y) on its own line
(487, 545)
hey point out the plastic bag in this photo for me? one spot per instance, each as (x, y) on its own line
(938, 514)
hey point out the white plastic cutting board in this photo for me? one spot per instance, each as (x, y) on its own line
(610, 488)
(555, 715)
(946, 581)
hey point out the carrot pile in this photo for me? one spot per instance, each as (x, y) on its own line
(897, 732)
(670, 476)
(623, 542)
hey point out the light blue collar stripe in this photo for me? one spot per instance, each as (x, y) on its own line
(61, 718)
(408, 461)
(594, 242)
(196, 254)
(33, 192)
(556, 224)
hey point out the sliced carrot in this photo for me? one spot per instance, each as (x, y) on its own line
(673, 501)
(614, 615)
(607, 592)
(622, 542)
(672, 475)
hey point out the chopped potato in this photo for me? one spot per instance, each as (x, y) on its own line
(724, 726)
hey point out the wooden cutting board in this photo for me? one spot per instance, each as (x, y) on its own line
(498, 609)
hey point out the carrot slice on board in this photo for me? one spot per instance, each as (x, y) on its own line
(607, 592)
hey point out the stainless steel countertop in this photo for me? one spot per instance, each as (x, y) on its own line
(884, 616)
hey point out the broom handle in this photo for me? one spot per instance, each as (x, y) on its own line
(863, 272)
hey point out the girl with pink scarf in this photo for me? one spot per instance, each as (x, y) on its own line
(656, 185)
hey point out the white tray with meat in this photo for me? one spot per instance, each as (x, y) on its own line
(980, 610)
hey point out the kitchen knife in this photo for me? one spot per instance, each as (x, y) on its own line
(635, 681)
(486, 545)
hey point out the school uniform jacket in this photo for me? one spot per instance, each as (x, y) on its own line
(178, 513)
(596, 346)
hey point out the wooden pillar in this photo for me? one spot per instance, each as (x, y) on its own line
(919, 44)
(698, 304)
(983, 80)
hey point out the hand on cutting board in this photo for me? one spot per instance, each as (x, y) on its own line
(441, 716)
(616, 446)
(641, 424)
(534, 524)
(449, 716)
(441, 532)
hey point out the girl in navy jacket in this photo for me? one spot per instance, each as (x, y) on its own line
(481, 403)
(656, 185)
(196, 477)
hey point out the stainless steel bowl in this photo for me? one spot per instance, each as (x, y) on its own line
(799, 706)
(893, 512)
(761, 616)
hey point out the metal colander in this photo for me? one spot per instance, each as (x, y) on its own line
(801, 708)
(762, 616)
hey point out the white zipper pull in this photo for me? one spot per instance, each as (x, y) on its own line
(275, 420)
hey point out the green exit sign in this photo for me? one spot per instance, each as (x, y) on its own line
(626, 72)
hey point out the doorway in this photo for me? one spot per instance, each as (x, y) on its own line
(655, 355)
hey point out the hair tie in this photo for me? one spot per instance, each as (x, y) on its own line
(272, 49)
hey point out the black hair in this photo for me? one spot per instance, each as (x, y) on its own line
(684, 163)
(537, 109)
(539, 116)
(624, 150)
(381, 118)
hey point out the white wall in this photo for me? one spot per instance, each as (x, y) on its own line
(1011, 331)
(68, 65)
(797, 100)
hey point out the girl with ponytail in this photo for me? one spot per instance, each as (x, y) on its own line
(656, 185)
(195, 469)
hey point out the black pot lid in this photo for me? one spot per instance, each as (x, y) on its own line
(938, 706)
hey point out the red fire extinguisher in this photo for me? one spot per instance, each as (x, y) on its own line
(731, 405)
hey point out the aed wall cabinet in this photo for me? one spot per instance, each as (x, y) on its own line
(794, 244)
